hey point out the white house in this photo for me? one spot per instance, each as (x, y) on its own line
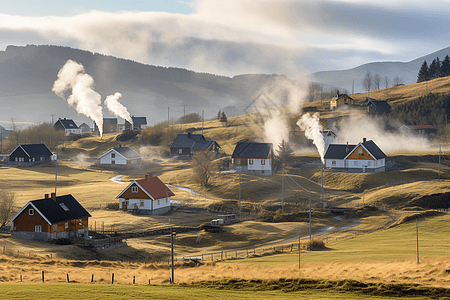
(366, 156)
(120, 157)
(148, 196)
(251, 157)
(68, 125)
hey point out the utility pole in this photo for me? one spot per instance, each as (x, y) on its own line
(168, 118)
(203, 112)
(309, 214)
(323, 203)
(184, 110)
(417, 241)
(172, 234)
(439, 161)
(299, 250)
(240, 192)
(282, 190)
(56, 169)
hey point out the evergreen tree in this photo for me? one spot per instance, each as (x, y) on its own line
(223, 118)
(218, 115)
(284, 153)
(434, 69)
(445, 67)
(423, 72)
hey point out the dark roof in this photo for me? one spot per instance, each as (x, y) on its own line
(84, 125)
(202, 145)
(109, 120)
(186, 140)
(139, 120)
(55, 213)
(327, 133)
(246, 149)
(67, 123)
(33, 150)
(378, 103)
(338, 151)
(127, 152)
(374, 149)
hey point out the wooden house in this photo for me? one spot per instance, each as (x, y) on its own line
(377, 106)
(148, 196)
(120, 157)
(67, 125)
(185, 145)
(110, 125)
(85, 128)
(30, 153)
(251, 157)
(51, 218)
(139, 122)
(340, 100)
(366, 156)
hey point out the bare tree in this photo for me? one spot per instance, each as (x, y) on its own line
(315, 91)
(398, 80)
(387, 82)
(367, 82)
(6, 206)
(376, 81)
(204, 167)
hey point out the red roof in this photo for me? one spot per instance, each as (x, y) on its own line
(155, 187)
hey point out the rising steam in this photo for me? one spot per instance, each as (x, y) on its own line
(311, 125)
(114, 106)
(83, 98)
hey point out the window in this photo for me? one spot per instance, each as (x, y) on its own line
(263, 161)
(31, 212)
(16, 159)
(333, 162)
(113, 155)
(360, 151)
(158, 202)
(355, 163)
(113, 162)
(37, 228)
(167, 200)
(66, 225)
(180, 151)
(63, 206)
(80, 222)
(134, 189)
(141, 203)
(369, 163)
(250, 161)
(42, 158)
(55, 227)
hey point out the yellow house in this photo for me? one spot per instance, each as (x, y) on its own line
(340, 99)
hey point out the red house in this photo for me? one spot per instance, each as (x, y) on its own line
(149, 196)
(51, 218)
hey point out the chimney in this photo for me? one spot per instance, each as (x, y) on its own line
(148, 176)
(364, 140)
(46, 196)
(346, 148)
(54, 197)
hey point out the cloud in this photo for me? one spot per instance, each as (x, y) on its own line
(259, 36)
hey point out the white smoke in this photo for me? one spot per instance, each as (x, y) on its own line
(311, 125)
(276, 129)
(114, 106)
(83, 98)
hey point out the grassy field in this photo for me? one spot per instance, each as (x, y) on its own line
(93, 291)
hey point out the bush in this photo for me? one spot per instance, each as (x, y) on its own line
(113, 206)
(315, 244)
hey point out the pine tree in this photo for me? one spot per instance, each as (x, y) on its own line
(284, 152)
(223, 118)
(218, 115)
(445, 67)
(434, 69)
(423, 72)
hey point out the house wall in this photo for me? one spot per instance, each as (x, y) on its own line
(258, 164)
(73, 131)
(25, 222)
(118, 160)
(364, 155)
(180, 151)
(148, 207)
(335, 163)
(128, 194)
(356, 165)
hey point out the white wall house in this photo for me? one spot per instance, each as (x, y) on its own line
(366, 156)
(252, 157)
(120, 156)
(149, 196)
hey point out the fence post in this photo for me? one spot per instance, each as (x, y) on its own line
(68, 278)
(134, 279)
(202, 257)
(43, 277)
(236, 253)
(212, 257)
(221, 255)
(92, 278)
(112, 278)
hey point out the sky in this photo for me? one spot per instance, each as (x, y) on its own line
(235, 36)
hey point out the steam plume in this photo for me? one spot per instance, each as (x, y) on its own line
(114, 106)
(83, 98)
(310, 124)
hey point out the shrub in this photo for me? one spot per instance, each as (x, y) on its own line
(315, 244)
(113, 206)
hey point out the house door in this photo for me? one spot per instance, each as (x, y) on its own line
(125, 205)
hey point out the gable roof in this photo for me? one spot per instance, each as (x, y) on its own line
(33, 150)
(67, 123)
(53, 212)
(326, 133)
(126, 152)
(152, 186)
(247, 149)
(338, 151)
(186, 140)
(379, 103)
(342, 151)
(84, 125)
(109, 121)
(139, 120)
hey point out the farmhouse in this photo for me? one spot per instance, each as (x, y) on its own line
(149, 196)
(32, 153)
(377, 106)
(252, 157)
(120, 157)
(340, 100)
(139, 122)
(185, 145)
(366, 156)
(67, 125)
(85, 128)
(51, 218)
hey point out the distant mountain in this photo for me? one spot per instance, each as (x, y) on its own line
(407, 71)
(27, 75)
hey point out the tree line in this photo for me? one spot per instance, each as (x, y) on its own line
(436, 69)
